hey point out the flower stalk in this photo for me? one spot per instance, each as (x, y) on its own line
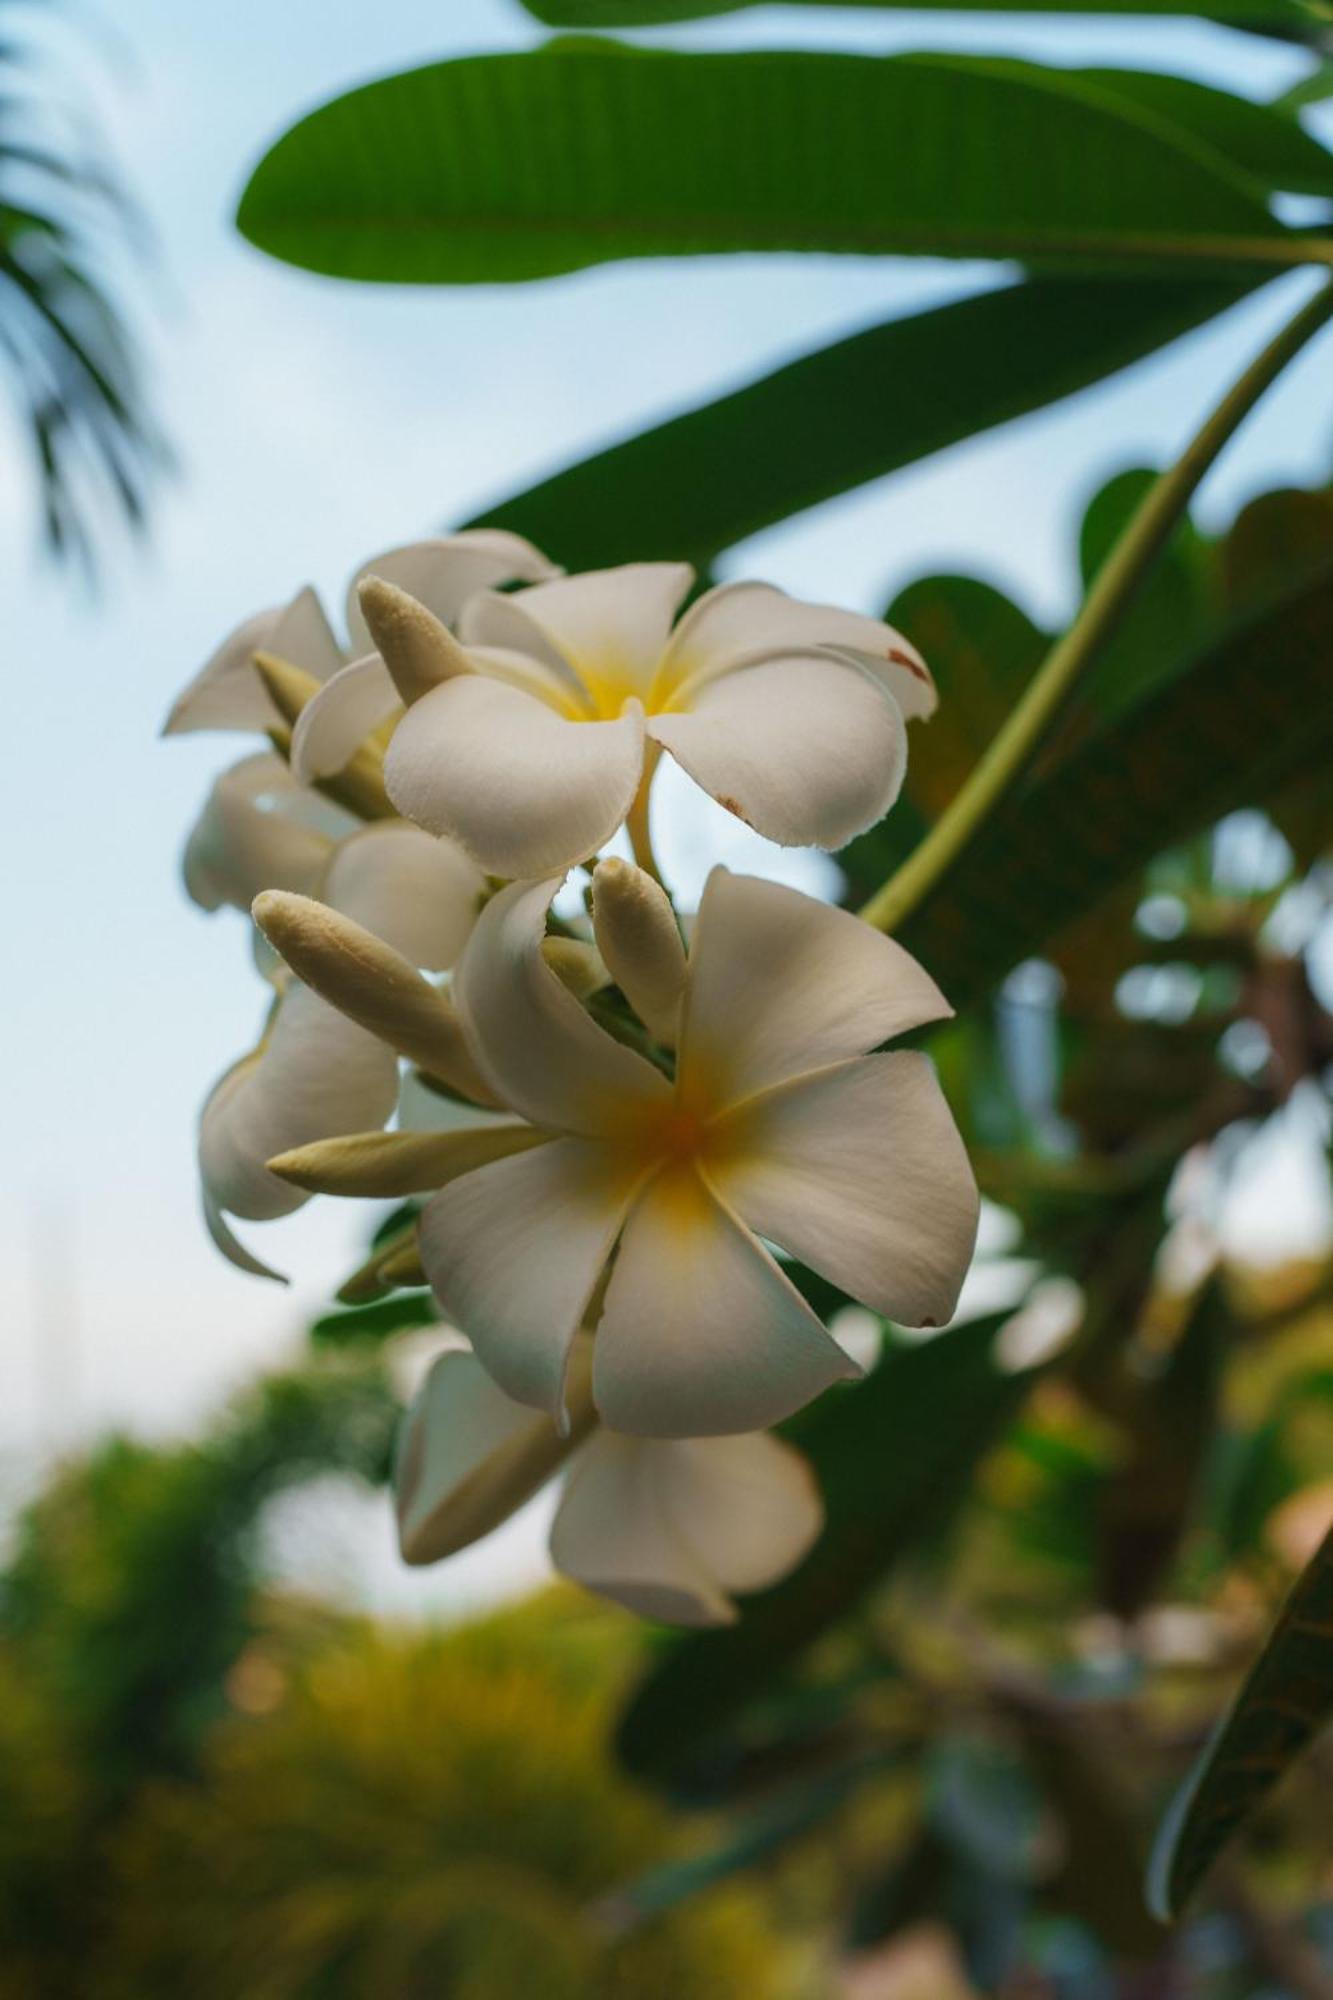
(1067, 664)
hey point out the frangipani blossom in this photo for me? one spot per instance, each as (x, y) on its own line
(530, 742)
(259, 829)
(667, 1528)
(443, 573)
(645, 1205)
(315, 1073)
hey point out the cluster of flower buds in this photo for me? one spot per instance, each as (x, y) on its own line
(626, 1129)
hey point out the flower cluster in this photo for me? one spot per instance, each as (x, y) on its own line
(629, 1135)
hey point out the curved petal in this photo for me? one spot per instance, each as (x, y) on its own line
(541, 1052)
(807, 750)
(611, 626)
(467, 1457)
(702, 1334)
(525, 792)
(743, 622)
(443, 572)
(416, 893)
(243, 841)
(353, 703)
(227, 693)
(315, 1075)
(667, 1529)
(514, 1252)
(781, 984)
(859, 1171)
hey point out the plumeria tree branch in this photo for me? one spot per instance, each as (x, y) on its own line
(1067, 665)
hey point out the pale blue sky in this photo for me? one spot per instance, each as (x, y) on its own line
(315, 423)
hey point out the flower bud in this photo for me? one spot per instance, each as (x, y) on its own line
(417, 649)
(372, 984)
(639, 938)
(395, 1164)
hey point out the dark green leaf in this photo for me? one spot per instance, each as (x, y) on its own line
(1284, 1702)
(1284, 16)
(498, 168)
(1252, 713)
(1170, 616)
(894, 1457)
(861, 408)
(1266, 143)
(377, 1321)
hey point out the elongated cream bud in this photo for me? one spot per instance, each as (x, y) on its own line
(417, 649)
(639, 938)
(359, 785)
(399, 1163)
(488, 1492)
(372, 984)
(577, 965)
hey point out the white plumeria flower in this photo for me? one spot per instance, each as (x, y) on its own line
(667, 1528)
(316, 1073)
(259, 829)
(530, 742)
(443, 573)
(778, 1126)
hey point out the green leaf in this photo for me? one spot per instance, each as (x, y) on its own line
(1170, 616)
(1281, 16)
(830, 421)
(1282, 1705)
(1251, 713)
(893, 1457)
(1263, 141)
(375, 1322)
(498, 168)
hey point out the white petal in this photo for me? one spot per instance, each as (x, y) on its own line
(467, 1457)
(781, 984)
(541, 1052)
(667, 1529)
(514, 1251)
(315, 1075)
(610, 625)
(227, 693)
(352, 705)
(746, 621)
(807, 750)
(860, 1173)
(702, 1334)
(418, 894)
(444, 572)
(525, 792)
(244, 841)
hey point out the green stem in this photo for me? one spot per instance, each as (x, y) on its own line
(1103, 608)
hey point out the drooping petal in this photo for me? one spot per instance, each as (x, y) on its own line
(445, 571)
(314, 1075)
(353, 703)
(523, 791)
(859, 1171)
(781, 984)
(419, 894)
(669, 1528)
(702, 1334)
(244, 839)
(227, 693)
(467, 1457)
(806, 749)
(740, 622)
(514, 1252)
(541, 1052)
(610, 625)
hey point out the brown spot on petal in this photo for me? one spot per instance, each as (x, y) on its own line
(901, 659)
(733, 807)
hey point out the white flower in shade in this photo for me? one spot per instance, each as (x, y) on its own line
(315, 1073)
(644, 1204)
(227, 693)
(530, 741)
(668, 1528)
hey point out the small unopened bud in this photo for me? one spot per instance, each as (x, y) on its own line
(417, 649)
(395, 1164)
(639, 938)
(578, 966)
(372, 984)
(289, 687)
